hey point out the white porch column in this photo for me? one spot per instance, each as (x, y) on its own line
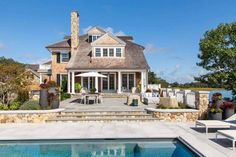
(96, 83)
(40, 78)
(73, 83)
(68, 82)
(143, 81)
(119, 82)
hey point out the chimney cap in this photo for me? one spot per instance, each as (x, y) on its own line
(75, 11)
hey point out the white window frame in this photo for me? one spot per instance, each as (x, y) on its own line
(96, 52)
(61, 54)
(108, 54)
(120, 51)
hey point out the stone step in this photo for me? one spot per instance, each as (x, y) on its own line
(101, 119)
(102, 112)
(106, 115)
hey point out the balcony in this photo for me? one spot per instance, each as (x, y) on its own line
(45, 68)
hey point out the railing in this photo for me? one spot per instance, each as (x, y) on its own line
(44, 66)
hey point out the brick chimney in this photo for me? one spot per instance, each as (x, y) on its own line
(74, 32)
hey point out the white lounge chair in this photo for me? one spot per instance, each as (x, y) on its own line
(217, 124)
(230, 134)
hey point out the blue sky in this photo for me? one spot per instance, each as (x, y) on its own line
(169, 29)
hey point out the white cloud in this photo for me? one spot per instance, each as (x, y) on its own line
(151, 48)
(175, 70)
(107, 29)
(35, 59)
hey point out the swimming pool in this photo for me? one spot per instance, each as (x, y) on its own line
(98, 148)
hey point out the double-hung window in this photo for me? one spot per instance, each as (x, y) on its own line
(64, 57)
(105, 53)
(111, 52)
(118, 52)
(97, 52)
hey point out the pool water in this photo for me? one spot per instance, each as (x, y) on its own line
(97, 148)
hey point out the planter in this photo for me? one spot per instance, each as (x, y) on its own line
(43, 99)
(228, 112)
(52, 90)
(55, 104)
(215, 116)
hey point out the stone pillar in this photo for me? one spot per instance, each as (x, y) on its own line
(74, 32)
(119, 82)
(202, 102)
(68, 82)
(73, 83)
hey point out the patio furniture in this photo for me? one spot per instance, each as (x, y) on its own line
(91, 97)
(131, 97)
(216, 124)
(229, 134)
(151, 98)
(169, 101)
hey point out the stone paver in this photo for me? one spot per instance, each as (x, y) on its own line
(108, 104)
(84, 130)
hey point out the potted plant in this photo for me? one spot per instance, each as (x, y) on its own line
(52, 85)
(93, 90)
(43, 95)
(77, 87)
(215, 113)
(228, 109)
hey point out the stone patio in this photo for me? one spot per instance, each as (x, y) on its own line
(108, 104)
(205, 143)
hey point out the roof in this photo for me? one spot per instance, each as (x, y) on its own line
(33, 68)
(62, 44)
(134, 57)
(48, 62)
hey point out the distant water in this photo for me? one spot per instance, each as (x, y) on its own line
(225, 93)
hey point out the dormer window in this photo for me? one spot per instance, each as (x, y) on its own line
(93, 38)
(116, 52)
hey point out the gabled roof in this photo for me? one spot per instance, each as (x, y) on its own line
(33, 68)
(82, 60)
(108, 39)
(96, 30)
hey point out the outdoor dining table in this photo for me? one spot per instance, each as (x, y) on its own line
(91, 96)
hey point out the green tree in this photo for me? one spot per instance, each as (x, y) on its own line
(153, 79)
(218, 57)
(13, 78)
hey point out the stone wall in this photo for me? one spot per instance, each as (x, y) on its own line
(28, 116)
(175, 115)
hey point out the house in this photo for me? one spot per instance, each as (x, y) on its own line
(118, 57)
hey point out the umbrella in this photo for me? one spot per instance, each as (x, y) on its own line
(91, 74)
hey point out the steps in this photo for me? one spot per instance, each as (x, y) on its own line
(102, 116)
(114, 95)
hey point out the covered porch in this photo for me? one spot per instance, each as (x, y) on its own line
(116, 81)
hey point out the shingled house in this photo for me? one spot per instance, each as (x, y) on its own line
(117, 57)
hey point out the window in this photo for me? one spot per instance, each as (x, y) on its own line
(118, 52)
(111, 52)
(105, 53)
(64, 57)
(98, 52)
(93, 38)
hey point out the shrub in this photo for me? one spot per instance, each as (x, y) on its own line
(3, 107)
(93, 90)
(216, 110)
(23, 96)
(30, 105)
(65, 96)
(15, 105)
(77, 87)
